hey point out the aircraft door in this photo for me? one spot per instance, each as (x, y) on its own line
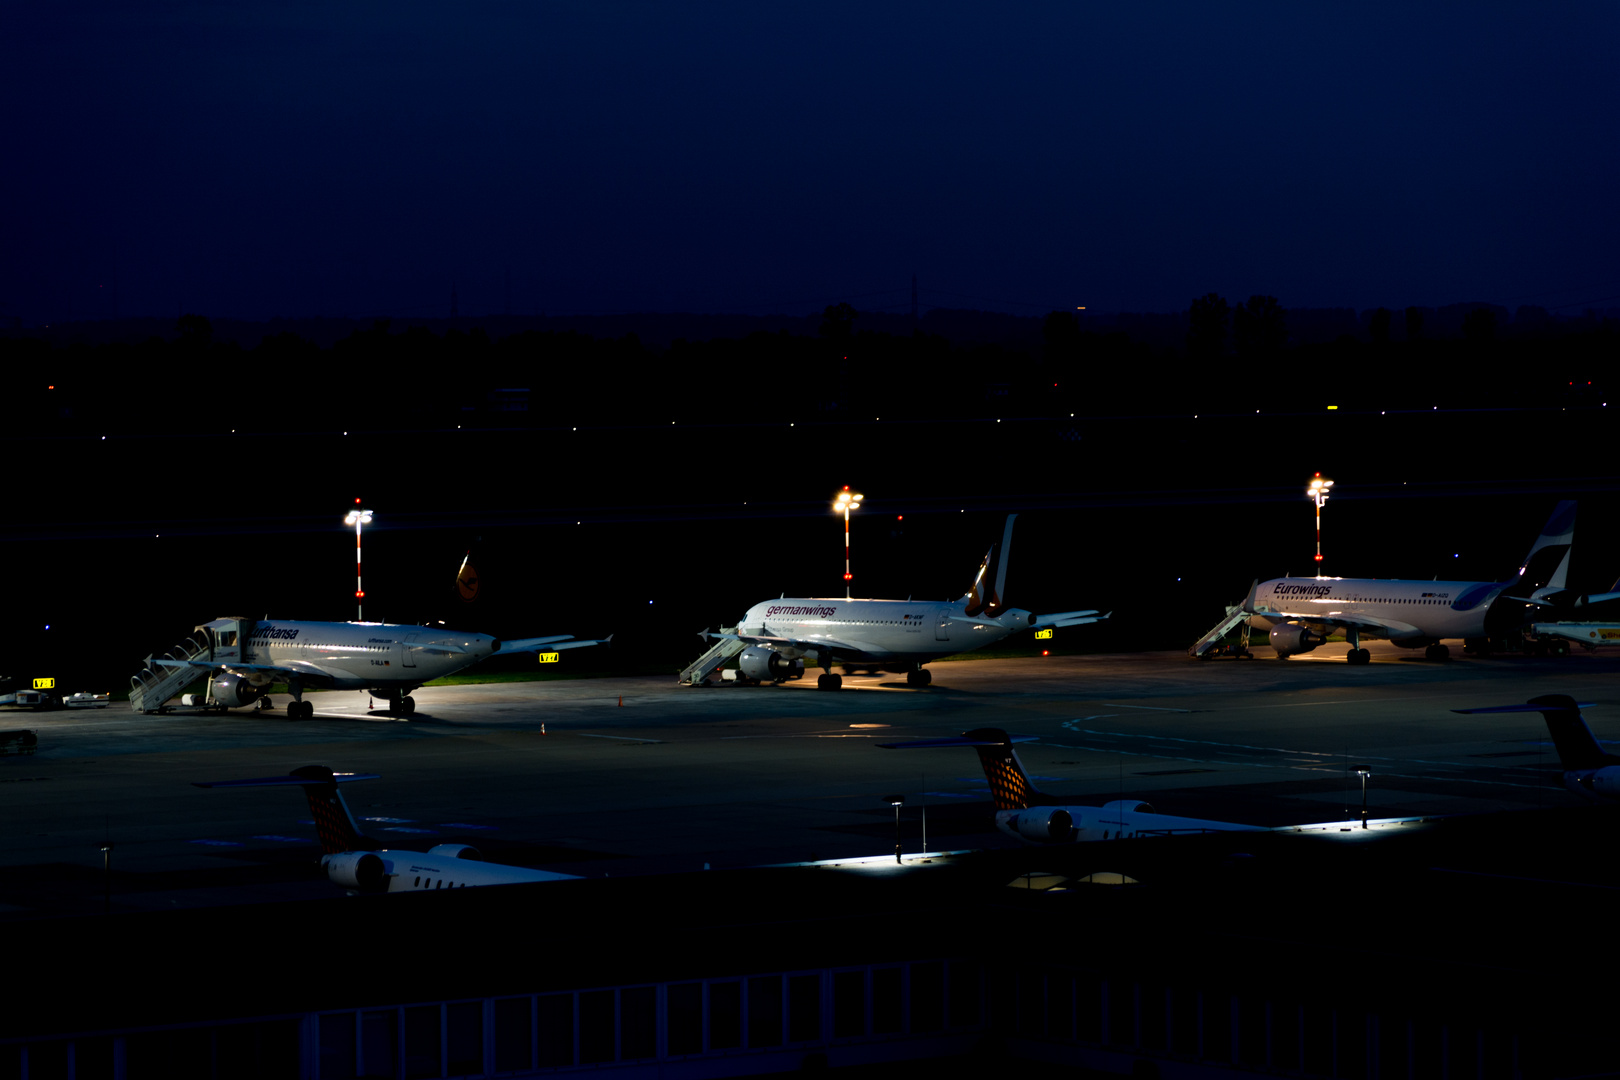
(942, 629)
(407, 650)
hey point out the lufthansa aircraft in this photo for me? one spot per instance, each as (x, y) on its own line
(356, 863)
(247, 655)
(1588, 769)
(895, 635)
(1301, 612)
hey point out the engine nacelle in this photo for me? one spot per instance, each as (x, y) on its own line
(1290, 638)
(363, 871)
(233, 691)
(766, 665)
(1603, 783)
(456, 851)
(1129, 806)
(1043, 824)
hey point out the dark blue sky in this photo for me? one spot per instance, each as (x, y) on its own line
(356, 158)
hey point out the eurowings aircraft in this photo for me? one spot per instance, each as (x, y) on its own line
(1588, 769)
(390, 661)
(1300, 613)
(356, 863)
(894, 635)
(1025, 813)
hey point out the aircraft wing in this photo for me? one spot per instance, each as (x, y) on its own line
(1067, 618)
(806, 644)
(1337, 617)
(302, 668)
(552, 643)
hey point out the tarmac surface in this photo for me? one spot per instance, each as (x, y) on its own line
(635, 776)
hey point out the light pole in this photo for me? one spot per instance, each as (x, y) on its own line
(896, 801)
(844, 504)
(1363, 771)
(358, 517)
(1318, 493)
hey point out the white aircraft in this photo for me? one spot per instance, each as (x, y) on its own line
(1588, 770)
(1034, 818)
(1300, 613)
(390, 661)
(356, 863)
(894, 635)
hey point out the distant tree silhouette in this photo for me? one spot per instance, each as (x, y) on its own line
(1414, 324)
(195, 331)
(1479, 326)
(1206, 327)
(838, 322)
(1378, 326)
(1259, 328)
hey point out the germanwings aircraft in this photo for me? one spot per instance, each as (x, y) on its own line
(894, 635)
(390, 661)
(1588, 769)
(356, 863)
(1301, 612)
(1034, 818)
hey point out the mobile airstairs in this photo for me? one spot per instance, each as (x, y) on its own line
(1209, 646)
(218, 641)
(700, 669)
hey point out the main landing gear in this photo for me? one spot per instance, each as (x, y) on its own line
(404, 705)
(1437, 651)
(829, 680)
(1356, 655)
(301, 710)
(920, 677)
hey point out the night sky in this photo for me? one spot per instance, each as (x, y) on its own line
(361, 158)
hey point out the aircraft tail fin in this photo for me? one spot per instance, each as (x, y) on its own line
(989, 585)
(1010, 786)
(1577, 747)
(334, 823)
(1547, 564)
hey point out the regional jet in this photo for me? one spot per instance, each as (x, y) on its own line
(357, 864)
(1025, 813)
(244, 656)
(1300, 613)
(1588, 770)
(892, 635)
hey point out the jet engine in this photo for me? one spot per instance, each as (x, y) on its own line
(1604, 782)
(364, 871)
(456, 851)
(1044, 824)
(1290, 638)
(764, 665)
(233, 691)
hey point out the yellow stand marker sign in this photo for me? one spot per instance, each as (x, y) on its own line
(44, 684)
(550, 657)
(1044, 635)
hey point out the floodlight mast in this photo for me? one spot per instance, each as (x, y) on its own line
(358, 517)
(1318, 493)
(843, 504)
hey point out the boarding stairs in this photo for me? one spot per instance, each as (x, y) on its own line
(157, 683)
(700, 669)
(1207, 646)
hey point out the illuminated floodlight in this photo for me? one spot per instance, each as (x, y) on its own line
(1317, 492)
(358, 517)
(843, 504)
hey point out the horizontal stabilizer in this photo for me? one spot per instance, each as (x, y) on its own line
(551, 644)
(1067, 618)
(956, 740)
(289, 781)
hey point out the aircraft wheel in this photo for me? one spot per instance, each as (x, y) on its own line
(828, 680)
(1358, 656)
(1437, 652)
(920, 677)
(407, 705)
